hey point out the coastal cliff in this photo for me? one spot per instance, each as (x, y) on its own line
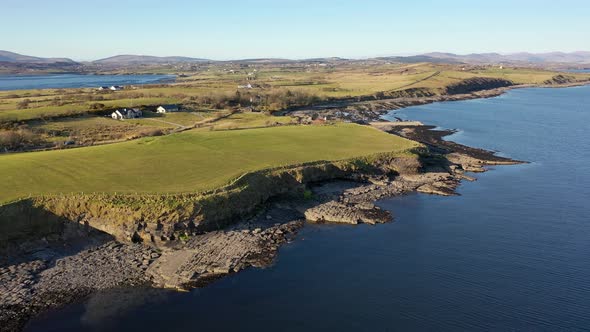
(60, 248)
(157, 219)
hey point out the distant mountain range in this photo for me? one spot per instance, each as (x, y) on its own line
(145, 60)
(6, 56)
(481, 58)
(577, 58)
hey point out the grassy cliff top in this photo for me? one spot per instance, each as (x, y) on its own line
(191, 161)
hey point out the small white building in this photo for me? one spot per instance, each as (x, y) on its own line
(167, 108)
(116, 88)
(101, 88)
(126, 113)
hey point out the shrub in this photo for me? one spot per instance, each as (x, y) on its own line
(12, 140)
(96, 106)
(23, 104)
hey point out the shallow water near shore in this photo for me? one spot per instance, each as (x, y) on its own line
(511, 252)
(61, 81)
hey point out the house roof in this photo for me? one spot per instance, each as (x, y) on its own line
(170, 106)
(126, 111)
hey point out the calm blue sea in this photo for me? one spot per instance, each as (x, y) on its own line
(511, 253)
(26, 82)
(580, 70)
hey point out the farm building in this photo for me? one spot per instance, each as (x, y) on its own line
(116, 88)
(126, 113)
(167, 108)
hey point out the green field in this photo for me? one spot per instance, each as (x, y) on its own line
(190, 161)
(250, 120)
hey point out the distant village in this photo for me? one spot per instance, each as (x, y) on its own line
(111, 88)
(134, 113)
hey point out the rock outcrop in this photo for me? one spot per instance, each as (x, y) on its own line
(560, 79)
(474, 84)
(338, 212)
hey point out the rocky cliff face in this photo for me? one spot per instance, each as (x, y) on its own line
(406, 93)
(560, 79)
(477, 84)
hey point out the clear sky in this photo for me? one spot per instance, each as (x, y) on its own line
(228, 29)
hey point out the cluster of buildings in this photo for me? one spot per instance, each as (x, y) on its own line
(127, 113)
(133, 113)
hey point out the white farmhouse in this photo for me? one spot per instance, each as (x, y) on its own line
(126, 113)
(167, 108)
(116, 88)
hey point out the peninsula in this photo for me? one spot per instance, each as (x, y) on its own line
(216, 170)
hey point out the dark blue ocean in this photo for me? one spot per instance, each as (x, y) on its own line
(26, 82)
(511, 253)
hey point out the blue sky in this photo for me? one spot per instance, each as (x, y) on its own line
(228, 29)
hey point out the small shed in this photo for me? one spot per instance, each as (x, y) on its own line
(167, 108)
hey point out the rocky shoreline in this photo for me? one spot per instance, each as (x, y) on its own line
(52, 275)
(366, 111)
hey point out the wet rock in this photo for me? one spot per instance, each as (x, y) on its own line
(340, 213)
(218, 253)
(35, 286)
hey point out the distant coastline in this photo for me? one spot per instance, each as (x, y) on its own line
(77, 80)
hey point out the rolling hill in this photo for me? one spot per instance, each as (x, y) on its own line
(6, 56)
(129, 59)
(484, 58)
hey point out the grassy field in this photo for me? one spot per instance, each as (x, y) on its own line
(87, 130)
(250, 120)
(190, 161)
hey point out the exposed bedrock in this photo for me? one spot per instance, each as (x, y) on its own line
(477, 84)
(159, 219)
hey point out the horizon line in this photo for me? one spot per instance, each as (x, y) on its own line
(404, 54)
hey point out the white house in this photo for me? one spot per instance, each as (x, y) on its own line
(126, 113)
(167, 108)
(116, 88)
(101, 88)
